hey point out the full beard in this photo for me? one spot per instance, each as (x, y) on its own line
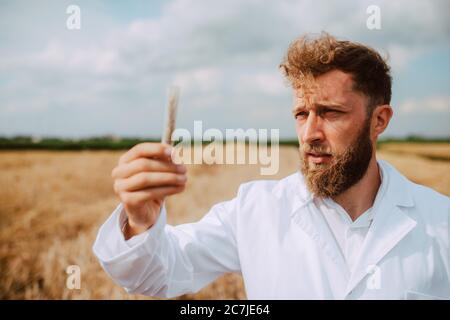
(343, 171)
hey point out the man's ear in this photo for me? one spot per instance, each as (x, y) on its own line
(381, 116)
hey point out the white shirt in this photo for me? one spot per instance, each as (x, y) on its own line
(274, 235)
(349, 234)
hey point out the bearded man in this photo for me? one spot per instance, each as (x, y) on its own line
(345, 226)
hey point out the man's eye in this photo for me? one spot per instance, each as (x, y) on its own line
(301, 114)
(332, 112)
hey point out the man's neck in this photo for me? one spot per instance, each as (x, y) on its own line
(360, 197)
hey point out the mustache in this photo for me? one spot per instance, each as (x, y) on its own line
(315, 149)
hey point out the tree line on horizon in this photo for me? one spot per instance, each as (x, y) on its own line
(23, 142)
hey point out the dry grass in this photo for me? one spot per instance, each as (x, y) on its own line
(427, 164)
(433, 151)
(52, 203)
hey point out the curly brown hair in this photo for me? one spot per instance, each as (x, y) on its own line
(309, 57)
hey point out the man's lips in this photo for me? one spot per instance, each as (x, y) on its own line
(318, 157)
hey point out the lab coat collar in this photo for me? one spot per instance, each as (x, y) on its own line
(391, 223)
(295, 197)
(293, 188)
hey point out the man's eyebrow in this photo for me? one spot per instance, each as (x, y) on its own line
(331, 105)
(298, 107)
(321, 105)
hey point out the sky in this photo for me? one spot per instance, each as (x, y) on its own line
(111, 76)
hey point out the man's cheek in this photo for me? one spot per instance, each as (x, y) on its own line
(299, 133)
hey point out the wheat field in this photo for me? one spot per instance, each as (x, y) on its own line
(53, 202)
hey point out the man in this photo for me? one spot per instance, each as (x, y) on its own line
(346, 226)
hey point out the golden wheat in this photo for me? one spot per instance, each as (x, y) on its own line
(52, 203)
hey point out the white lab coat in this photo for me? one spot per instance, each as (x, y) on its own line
(272, 234)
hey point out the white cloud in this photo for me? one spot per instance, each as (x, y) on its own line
(224, 55)
(270, 84)
(199, 80)
(433, 104)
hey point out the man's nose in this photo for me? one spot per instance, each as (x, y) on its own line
(312, 130)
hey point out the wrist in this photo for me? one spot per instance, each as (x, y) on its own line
(130, 229)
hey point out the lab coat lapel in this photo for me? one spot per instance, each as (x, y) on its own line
(305, 214)
(314, 225)
(391, 224)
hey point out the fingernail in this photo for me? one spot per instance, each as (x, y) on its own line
(168, 151)
(181, 168)
(181, 177)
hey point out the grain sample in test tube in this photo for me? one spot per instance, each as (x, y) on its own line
(171, 113)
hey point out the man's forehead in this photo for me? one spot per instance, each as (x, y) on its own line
(337, 87)
(311, 98)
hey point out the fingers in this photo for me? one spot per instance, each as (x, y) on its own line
(139, 197)
(145, 180)
(146, 150)
(127, 170)
(146, 172)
